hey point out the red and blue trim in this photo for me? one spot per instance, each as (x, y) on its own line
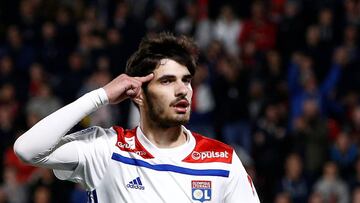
(170, 168)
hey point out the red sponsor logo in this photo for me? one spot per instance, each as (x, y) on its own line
(208, 150)
(127, 141)
(209, 155)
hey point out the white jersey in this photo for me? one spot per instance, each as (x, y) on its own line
(117, 165)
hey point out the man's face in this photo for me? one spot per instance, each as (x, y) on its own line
(168, 95)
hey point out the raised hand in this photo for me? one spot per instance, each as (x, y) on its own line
(124, 86)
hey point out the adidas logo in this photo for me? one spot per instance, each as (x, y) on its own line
(136, 184)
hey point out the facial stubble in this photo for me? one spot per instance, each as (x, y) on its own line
(156, 113)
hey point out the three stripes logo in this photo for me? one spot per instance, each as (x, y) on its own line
(136, 184)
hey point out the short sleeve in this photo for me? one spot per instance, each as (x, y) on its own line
(240, 187)
(94, 151)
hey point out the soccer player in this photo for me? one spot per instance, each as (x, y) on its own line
(158, 161)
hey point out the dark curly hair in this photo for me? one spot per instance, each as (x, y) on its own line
(154, 48)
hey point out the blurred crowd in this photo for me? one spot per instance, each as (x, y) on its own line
(279, 80)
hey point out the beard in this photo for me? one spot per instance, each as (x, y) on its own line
(157, 113)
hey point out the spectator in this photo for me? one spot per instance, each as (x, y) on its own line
(37, 77)
(355, 124)
(23, 55)
(130, 29)
(204, 33)
(331, 186)
(44, 102)
(42, 195)
(268, 148)
(291, 29)
(313, 48)
(316, 197)
(311, 139)
(303, 83)
(257, 99)
(115, 51)
(7, 73)
(157, 21)
(231, 89)
(51, 53)
(344, 154)
(73, 78)
(14, 191)
(203, 103)
(274, 76)
(29, 21)
(66, 29)
(187, 24)
(282, 198)
(293, 182)
(3, 198)
(356, 195)
(251, 57)
(9, 102)
(354, 179)
(258, 30)
(227, 29)
(329, 33)
(351, 45)
(46, 188)
(351, 12)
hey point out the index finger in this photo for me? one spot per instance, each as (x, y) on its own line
(147, 78)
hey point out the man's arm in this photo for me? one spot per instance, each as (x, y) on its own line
(37, 145)
(240, 187)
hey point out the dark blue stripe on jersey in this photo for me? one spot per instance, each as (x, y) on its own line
(92, 196)
(172, 168)
(89, 196)
(95, 196)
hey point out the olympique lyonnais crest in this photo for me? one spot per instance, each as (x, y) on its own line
(201, 190)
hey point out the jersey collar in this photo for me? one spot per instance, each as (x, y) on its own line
(178, 153)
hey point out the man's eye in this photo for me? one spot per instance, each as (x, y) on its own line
(164, 82)
(187, 81)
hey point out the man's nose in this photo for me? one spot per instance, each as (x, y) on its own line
(181, 89)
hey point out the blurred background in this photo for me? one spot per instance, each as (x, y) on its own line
(279, 80)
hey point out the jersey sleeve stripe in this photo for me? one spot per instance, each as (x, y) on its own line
(95, 196)
(92, 197)
(170, 168)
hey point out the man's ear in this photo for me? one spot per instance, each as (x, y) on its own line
(139, 99)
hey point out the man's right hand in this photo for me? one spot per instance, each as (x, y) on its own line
(124, 86)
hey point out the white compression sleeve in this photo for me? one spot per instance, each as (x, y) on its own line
(36, 145)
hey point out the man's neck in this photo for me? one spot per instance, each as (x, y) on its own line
(163, 137)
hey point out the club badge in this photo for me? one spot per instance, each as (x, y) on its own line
(201, 190)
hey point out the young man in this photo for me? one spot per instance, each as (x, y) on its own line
(160, 160)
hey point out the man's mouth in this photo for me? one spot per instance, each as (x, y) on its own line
(181, 106)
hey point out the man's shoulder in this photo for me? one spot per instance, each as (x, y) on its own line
(208, 150)
(204, 142)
